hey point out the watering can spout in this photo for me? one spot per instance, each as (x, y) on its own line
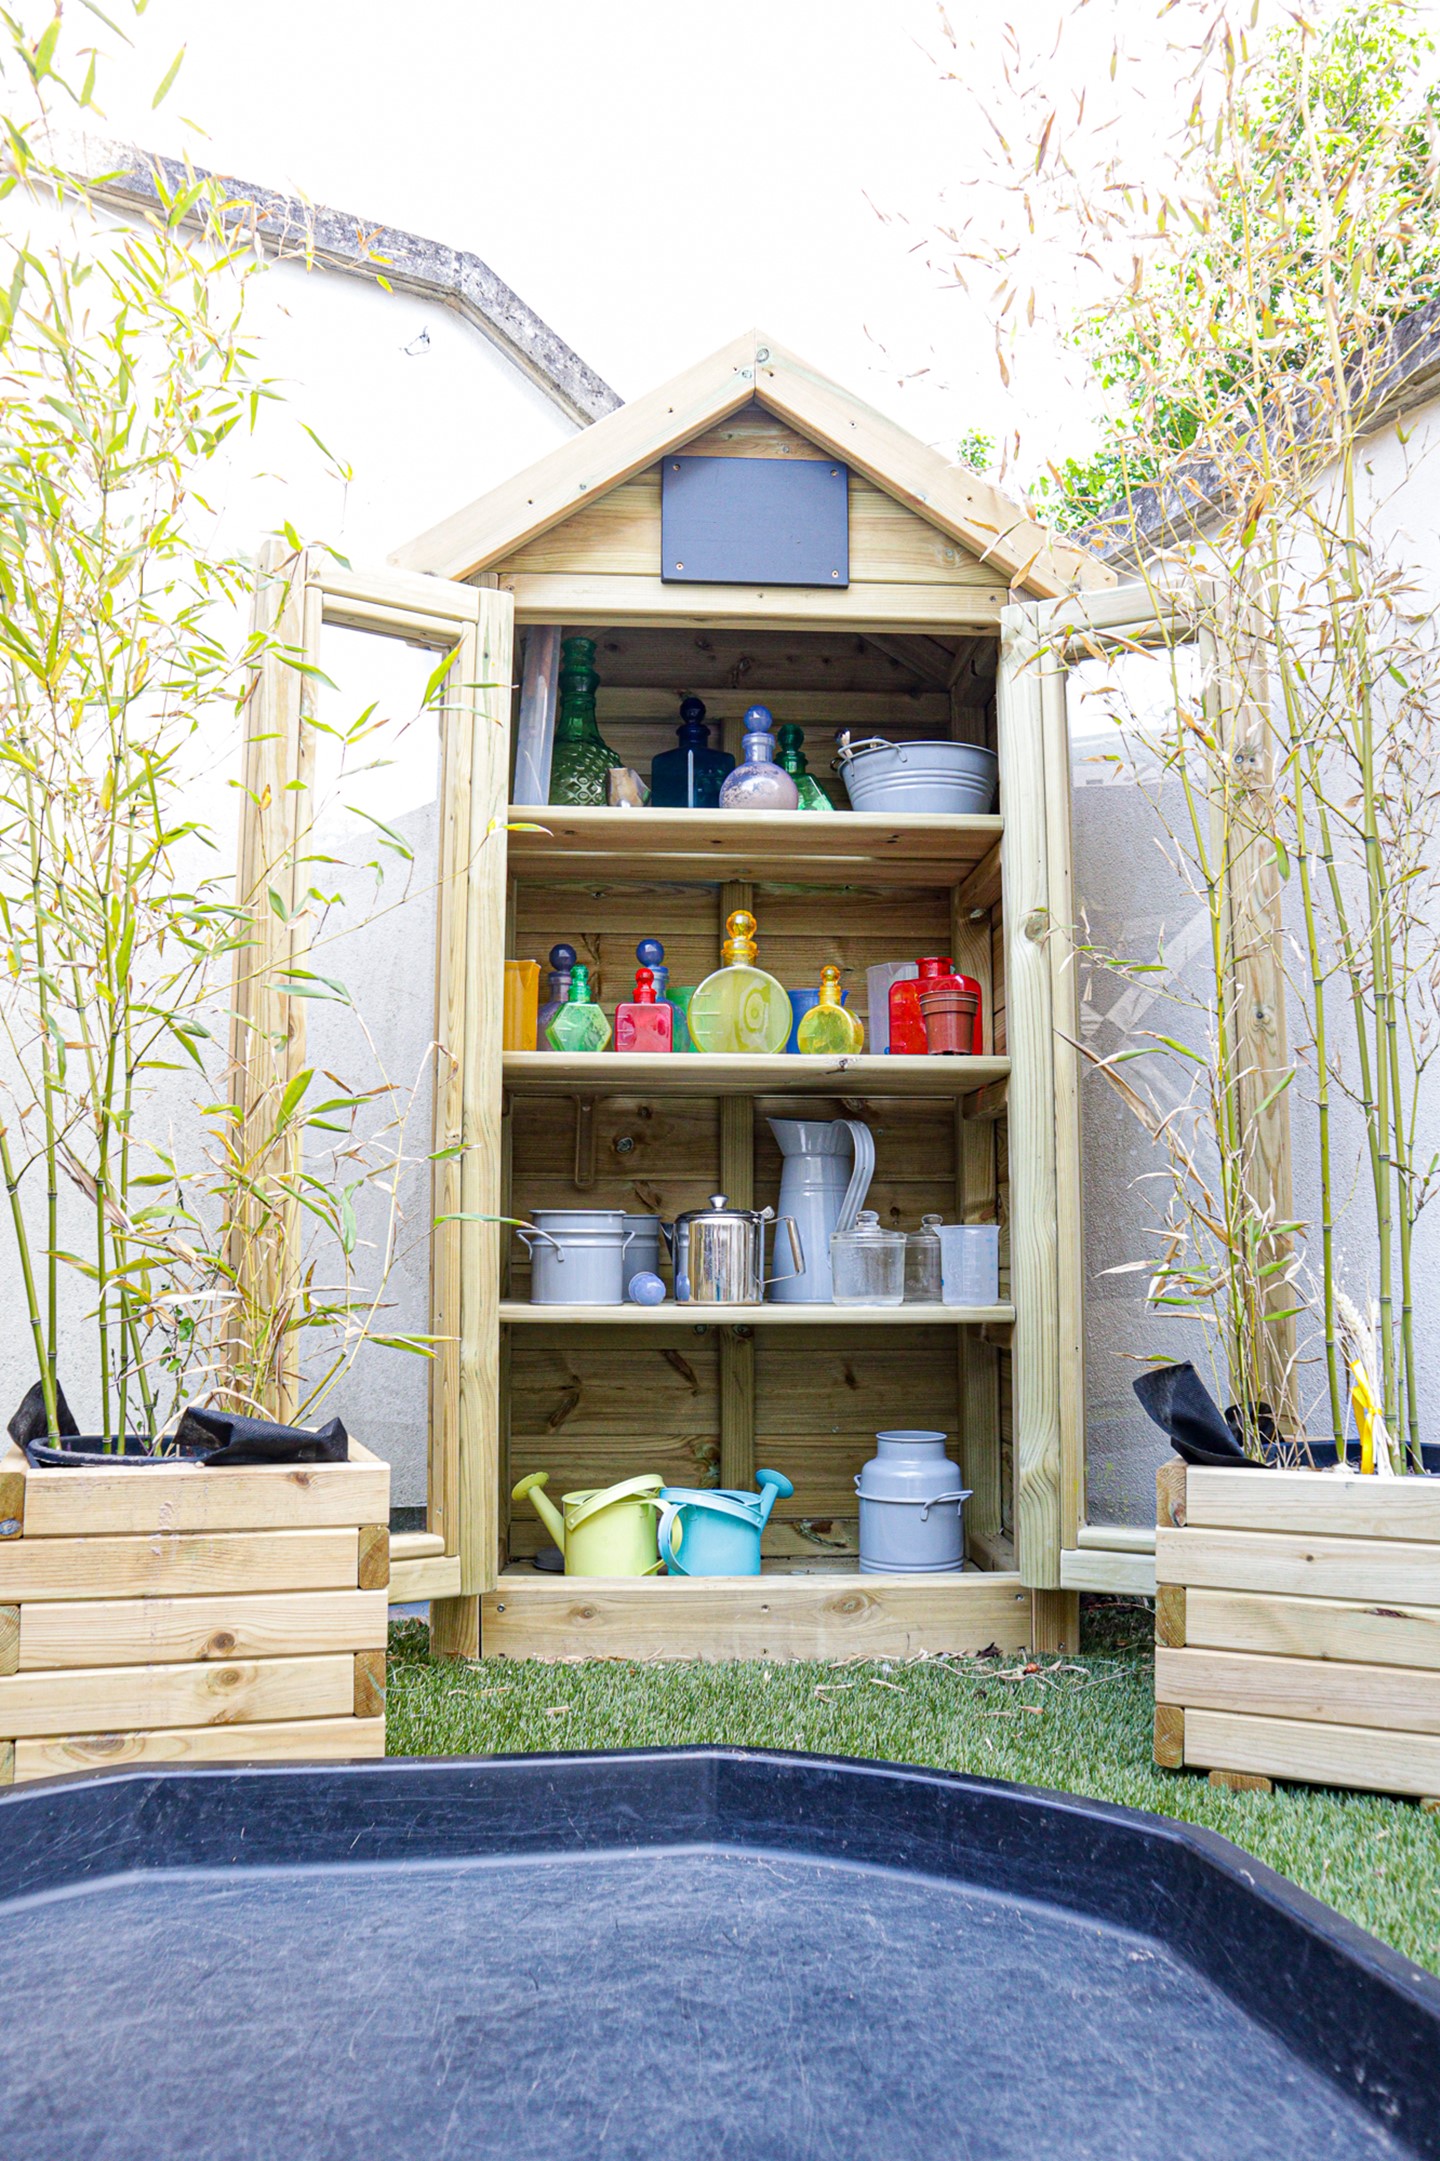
(532, 1489)
(774, 1485)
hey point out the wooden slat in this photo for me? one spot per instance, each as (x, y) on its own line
(1323, 1755)
(595, 596)
(302, 1740)
(851, 848)
(1171, 1600)
(1065, 1017)
(1388, 1571)
(822, 713)
(292, 1497)
(360, 598)
(1169, 1735)
(717, 1073)
(369, 1684)
(161, 1631)
(478, 1491)
(774, 1315)
(530, 1615)
(1033, 1206)
(9, 1639)
(178, 1564)
(437, 1577)
(197, 1694)
(1315, 1501)
(267, 1040)
(457, 756)
(1379, 1634)
(14, 1477)
(373, 1571)
(1129, 1575)
(1332, 1690)
(415, 1546)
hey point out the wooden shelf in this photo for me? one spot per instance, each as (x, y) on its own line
(601, 1073)
(786, 846)
(776, 1315)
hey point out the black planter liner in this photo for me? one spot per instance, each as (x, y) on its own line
(709, 1952)
(87, 1451)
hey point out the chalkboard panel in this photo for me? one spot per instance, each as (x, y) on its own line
(755, 521)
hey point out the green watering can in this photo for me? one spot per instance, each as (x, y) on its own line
(606, 1530)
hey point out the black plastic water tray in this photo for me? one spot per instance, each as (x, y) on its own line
(697, 1953)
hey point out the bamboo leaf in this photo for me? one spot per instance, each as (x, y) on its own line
(168, 81)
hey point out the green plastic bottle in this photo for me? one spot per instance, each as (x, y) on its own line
(797, 765)
(579, 1024)
(581, 761)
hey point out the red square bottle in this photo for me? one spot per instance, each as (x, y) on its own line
(642, 1023)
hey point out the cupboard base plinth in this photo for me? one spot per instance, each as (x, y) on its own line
(530, 1615)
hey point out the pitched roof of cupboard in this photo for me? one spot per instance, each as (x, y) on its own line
(754, 371)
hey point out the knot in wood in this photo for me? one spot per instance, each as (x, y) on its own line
(1036, 925)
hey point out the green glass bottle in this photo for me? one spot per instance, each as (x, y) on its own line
(578, 1024)
(797, 765)
(581, 761)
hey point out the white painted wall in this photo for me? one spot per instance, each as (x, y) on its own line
(428, 414)
(1132, 898)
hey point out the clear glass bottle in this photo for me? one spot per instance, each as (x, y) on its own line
(797, 765)
(581, 762)
(827, 1027)
(922, 1264)
(579, 1024)
(759, 784)
(867, 1264)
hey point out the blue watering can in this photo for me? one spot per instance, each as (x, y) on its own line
(714, 1531)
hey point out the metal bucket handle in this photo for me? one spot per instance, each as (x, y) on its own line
(848, 750)
(526, 1231)
(911, 1500)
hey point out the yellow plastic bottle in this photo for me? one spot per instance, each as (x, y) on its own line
(827, 1027)
(740, 1008)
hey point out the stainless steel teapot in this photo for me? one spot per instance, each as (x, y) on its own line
(719, 1253)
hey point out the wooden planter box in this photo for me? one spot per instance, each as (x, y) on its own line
(1297, 1628)
(205, 1616)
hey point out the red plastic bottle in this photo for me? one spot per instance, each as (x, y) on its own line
(907, 1022)
(643, 1024)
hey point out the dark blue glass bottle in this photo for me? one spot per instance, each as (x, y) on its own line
(689, 777)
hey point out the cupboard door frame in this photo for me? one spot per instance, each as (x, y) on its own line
(297, 594)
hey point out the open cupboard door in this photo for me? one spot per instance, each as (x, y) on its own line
(1062, 663)
(454, 905)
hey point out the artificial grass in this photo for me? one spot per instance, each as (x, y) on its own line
(1081, 1724)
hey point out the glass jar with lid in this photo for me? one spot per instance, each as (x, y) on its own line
(922, 1264)
(867, 1264)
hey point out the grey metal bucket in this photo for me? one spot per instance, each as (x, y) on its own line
(928, 779)
(643, 1252)
(911, 1507)
(579, 1256)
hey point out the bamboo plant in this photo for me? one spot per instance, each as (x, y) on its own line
(124, 371)
(1248, 273)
